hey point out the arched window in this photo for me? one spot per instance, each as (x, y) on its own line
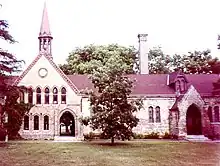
(63, 96)
(46, 122)
(38, 95)
(47, 96)
(26, 122)
(210, 114)
(216, 113)
(55, 95)
(158, 120)
(151, 114)
(36, 122)
(30, 96)
(21, 96)
(182, 85)
(177, 86)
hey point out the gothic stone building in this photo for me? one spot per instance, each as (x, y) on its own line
(182, 105)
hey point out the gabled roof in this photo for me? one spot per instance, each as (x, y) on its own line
(203, 83)
(155, 84)
(174, 75)
(69, 82)
(144, 84)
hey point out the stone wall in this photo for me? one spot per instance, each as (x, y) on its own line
(191, 97)
(215, 128)
(54, 112)
(173, 125)
(146, 127)
(212, 129)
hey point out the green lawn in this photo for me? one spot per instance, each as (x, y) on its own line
(101, 154)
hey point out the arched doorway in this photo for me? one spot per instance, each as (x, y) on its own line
(193, 121)
(67, 124)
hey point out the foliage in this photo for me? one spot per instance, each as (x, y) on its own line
(91, 136)
(9, 64)
(154, 135)
(166, 136)
(159, 63)
(138, 136)
(89, 58)
(15, 110)
(196, 62)
(112, 111)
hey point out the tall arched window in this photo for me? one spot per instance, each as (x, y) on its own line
(216, 113)
(151, 114)
(26, 122)
(21, 96)
(63, 96)
(38, 95)
(158, 119)
(36, 122)
(47, 96)
(177, 86)
(182, 85)
(30, 96)
(55, 95)
(46, 122)
(210, 114)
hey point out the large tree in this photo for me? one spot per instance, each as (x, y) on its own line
(159, 63)
(9, 65)
(196, 62)
(87, 59)
(112, 109)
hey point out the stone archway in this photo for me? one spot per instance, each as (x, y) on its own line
(193, 120)
(67, 124)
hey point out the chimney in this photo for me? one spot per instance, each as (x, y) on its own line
(143, 54)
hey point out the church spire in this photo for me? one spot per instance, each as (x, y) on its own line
(45, 36)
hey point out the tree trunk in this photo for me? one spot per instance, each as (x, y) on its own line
(112, 140)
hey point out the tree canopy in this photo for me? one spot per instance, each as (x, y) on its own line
(112, 109)
(9, 64)
(196, 62)
(87, 59)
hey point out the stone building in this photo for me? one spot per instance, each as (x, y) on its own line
(182, 105)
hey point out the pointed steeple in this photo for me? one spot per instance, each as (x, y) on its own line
(45, 36)
(45, 27)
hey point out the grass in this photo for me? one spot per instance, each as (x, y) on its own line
(164, 153)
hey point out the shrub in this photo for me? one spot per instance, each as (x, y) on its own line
(138, 136)
(152, 135)
(166, 136)
(174, 137)
(91, 136)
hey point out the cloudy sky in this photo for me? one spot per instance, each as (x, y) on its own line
(178, 26)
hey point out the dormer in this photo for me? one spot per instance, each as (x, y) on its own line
(178, 81)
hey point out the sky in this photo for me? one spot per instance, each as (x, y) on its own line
(178, 26)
